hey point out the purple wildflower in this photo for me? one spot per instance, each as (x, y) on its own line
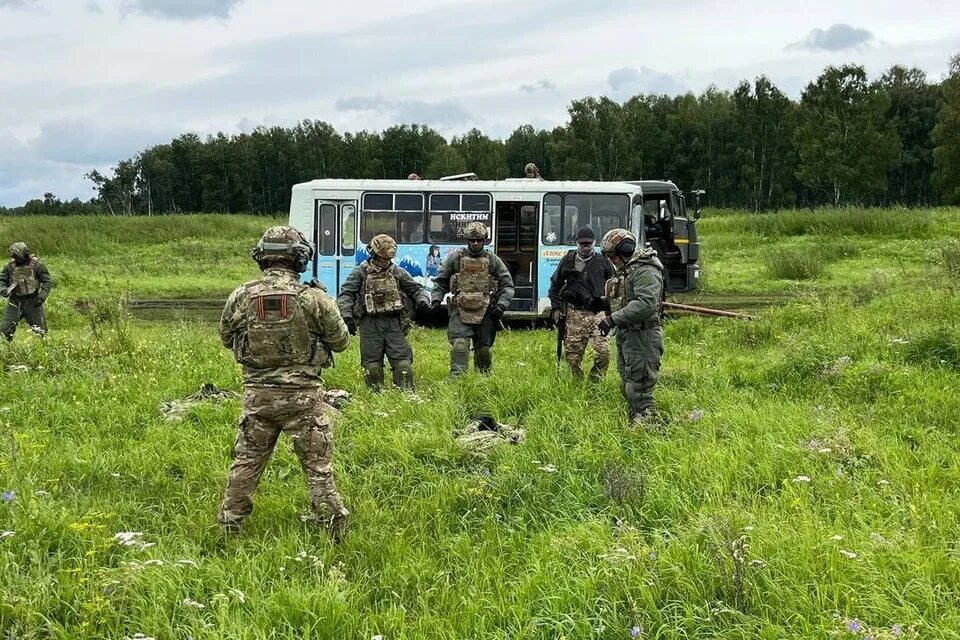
(9, 496)
(695, 415)
(853, 626)
(635, 632)
(896, 631)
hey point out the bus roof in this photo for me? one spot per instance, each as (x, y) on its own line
(512, 185)
(656, 186)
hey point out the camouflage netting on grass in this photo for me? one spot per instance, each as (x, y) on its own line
(483, 433)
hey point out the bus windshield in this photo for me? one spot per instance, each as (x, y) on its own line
(565, 214)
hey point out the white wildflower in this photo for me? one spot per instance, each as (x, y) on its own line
(187, 602)
(6, 534)
(757, 562)
(128, 538)
(41, 493)
(802, 479)
(154, 562)
(848, 554)
(238, 595)
(749, 527)
(115, 475)
(836, 538)
(883, 483)
(187, 563)
(549, 468)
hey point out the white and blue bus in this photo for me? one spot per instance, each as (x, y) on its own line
(532, 222)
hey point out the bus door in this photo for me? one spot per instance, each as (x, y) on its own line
(516, 243)
(335, 236)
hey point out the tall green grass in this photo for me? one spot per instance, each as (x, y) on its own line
(803, 485)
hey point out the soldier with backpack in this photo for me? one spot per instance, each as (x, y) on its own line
(377, 299)
(283, 332)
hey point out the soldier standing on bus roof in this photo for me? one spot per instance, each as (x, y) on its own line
(576, 296)
(283, 333)
(378, 297)
(414, 176)
(531, 171)
(25, 283)
(635, 294)
(482, 290)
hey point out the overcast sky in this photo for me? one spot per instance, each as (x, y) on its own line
(84, 83)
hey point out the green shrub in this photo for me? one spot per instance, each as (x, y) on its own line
(794, 264)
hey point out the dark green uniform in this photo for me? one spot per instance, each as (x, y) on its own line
(25, 287)
(635, 293)
(379, 301)
(475, 294)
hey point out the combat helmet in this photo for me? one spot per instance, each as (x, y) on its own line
(383, 246)
(20, 252)
(284, 245)
(618, 242)
(531, 170)
(476, 231)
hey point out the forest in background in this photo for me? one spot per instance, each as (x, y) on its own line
(848, 140)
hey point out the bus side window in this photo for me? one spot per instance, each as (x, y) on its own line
(348, 229)
(552, 219)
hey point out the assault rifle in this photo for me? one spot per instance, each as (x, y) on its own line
(561, 334)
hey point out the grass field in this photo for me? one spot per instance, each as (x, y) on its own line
(806, 484)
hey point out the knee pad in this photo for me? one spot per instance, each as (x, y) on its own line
(373, 375)
(403, 373)
(460, 345)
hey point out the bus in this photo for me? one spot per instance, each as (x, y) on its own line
(670, 230)
(532, 222)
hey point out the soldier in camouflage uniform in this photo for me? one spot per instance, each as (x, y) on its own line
(634, 295)
(25, 283)
(532, 171)
(576, 297)
(377, 297)
(283, 332)
(482, 290)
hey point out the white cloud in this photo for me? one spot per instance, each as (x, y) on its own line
(838, 37)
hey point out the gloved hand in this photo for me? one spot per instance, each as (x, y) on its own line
(40, 301)
(435, 305)
(556, 315)
(605, 325)
(497, 312)
(351, 326)
(423, 306)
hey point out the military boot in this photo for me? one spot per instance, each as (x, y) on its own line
(483, 359)
(403, 375)
(373, 376)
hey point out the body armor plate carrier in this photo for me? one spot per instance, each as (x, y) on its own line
(25, 277)
(381, 293)
(277, 332)
(473, 288)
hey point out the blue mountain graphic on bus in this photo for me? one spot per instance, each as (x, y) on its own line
(406, 263)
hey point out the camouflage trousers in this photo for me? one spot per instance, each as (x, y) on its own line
(581, 329)
(301, 414)
(638, 361)
(22, 307)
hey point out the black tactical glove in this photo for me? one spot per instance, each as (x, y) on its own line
(423, 306)
(556, 315)
(605, 325)
(497, 312)
(351, 326)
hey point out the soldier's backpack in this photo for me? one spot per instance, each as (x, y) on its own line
(277, 333)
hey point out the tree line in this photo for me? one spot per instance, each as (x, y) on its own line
(848, 140)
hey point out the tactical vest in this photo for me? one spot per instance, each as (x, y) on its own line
(25, 277)
(473, 287)
(381, 292)
(277, 333)
(619, 289)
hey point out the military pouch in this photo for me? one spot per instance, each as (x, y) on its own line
(473, 306)
(368, 303)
